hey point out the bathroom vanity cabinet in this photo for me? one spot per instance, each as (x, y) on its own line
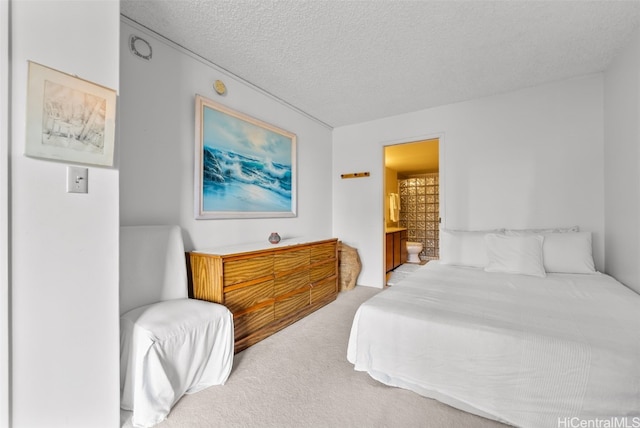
(396, 248)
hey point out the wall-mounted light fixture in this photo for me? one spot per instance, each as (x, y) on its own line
(220, 87)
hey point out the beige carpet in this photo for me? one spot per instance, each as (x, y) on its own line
(300, 377)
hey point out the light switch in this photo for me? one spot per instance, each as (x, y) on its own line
(77, 179)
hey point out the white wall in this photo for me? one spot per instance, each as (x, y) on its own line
(531, 158)
(622, 166)
(4, 216)
(157, 126)
(64, 247)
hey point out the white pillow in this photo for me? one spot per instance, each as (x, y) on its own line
(520, 232)
(463, 248)
(568, 253)
(515, 254)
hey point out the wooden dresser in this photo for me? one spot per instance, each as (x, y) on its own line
(267, 287)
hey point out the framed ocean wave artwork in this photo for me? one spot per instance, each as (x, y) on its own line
(244, 167)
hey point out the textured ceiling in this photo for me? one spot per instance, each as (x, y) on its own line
(346, 62)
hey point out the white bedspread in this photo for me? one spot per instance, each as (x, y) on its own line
(529, 351)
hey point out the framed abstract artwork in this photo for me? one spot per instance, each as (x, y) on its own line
(244, 168)
(69, 119)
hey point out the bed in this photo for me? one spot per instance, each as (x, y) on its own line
(511, 340)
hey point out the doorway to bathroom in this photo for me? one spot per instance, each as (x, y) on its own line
(412, 201)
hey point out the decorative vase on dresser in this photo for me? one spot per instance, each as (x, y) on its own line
(267, 286)
(274, 238)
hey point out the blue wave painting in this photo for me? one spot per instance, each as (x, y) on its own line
(245, 167)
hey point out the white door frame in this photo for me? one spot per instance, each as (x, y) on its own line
(441, 179)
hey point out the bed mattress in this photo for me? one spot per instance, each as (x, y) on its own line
(528, 351)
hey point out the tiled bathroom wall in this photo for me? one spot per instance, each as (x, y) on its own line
(419, 212)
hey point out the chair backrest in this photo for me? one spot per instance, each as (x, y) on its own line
(152, 265)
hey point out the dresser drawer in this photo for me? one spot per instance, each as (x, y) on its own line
(323, 270)
(287, 283)
(291, 260)
(323, 252)
(245, 269)
(248, 296)
(253, 321)
(324, 289)
(292, 303)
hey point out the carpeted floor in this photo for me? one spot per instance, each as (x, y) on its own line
(300, 377)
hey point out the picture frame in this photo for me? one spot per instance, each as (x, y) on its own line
(69, 119)
(244, 167)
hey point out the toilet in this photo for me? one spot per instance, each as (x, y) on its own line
(413, 249)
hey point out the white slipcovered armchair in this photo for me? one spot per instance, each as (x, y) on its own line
(170, 345)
